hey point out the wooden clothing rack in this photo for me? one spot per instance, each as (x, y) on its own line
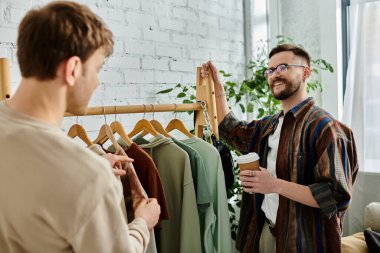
(5, 79)
(204, 92)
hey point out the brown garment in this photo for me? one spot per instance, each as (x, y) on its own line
(133, 191)
(148, 175)
(131, 184)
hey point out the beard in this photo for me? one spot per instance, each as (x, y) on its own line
(291, 87)
(78, 98)
(77, 109)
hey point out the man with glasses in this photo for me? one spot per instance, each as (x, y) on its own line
(308, 164)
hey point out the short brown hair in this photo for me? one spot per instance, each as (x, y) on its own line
(56, 32)
(299, 51)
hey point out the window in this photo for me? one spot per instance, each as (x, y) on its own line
(363, 80)
(372, 98)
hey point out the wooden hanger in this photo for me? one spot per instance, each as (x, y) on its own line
(103, 135)
(118, 128)
(106, 133)
(177, 124)
(143, 125)
(157, 126)
(77, 130)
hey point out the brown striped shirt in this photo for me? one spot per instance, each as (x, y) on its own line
(314, 150)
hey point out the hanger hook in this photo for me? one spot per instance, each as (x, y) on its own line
(115, 111)
(175, 111)
(152, 109)
(104, 114)
(144, 111)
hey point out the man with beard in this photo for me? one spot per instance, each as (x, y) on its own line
(55, 195)
(308, 164)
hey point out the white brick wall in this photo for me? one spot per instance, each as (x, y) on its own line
(124, 62)
(307, 22)
(169, 50)
(158, 63)
(158, 43)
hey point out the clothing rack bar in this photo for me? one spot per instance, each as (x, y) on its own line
(148, 108)
(5, 79)
(204, 92)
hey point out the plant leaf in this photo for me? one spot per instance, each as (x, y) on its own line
(187, 101)
(181, 95)
(242, 108)
(165, 91)
(250, 107)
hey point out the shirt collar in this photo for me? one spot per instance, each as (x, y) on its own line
(297, 110)
(302, 107)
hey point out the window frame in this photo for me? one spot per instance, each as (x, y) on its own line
(345, 8)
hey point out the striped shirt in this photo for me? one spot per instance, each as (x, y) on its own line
(314, 150)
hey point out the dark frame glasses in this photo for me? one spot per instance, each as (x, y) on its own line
(283, 67)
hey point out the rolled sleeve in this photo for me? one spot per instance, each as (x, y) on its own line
(229, 122)
(237, 133)
(324, 197)
(334, 172)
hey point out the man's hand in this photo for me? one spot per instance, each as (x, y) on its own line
(149, 211)
(116, 162)
(221, 100)
(206, 67)
(264, 182)
(258, 181)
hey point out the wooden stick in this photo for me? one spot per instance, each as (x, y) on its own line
(200, 120)
(206, 92)
(123, 109)
(5, 79)
(211, 105)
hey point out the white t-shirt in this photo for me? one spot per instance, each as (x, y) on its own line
(57, 196)
(270, 202)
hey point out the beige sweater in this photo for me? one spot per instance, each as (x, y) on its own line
(56, 196)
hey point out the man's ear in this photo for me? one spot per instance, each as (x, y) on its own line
(306, 73)
(73, 69)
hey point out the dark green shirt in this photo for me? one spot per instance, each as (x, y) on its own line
(201, 184)
(200, 177)
(180, 234)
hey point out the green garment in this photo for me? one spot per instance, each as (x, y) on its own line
(199, 173)
(180, 234)
(202, 188)
(216, 220)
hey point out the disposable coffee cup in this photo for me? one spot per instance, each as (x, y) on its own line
(249, 161)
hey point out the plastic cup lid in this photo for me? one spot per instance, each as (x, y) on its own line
(248, 158)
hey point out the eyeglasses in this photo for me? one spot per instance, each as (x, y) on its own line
(280, 68)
